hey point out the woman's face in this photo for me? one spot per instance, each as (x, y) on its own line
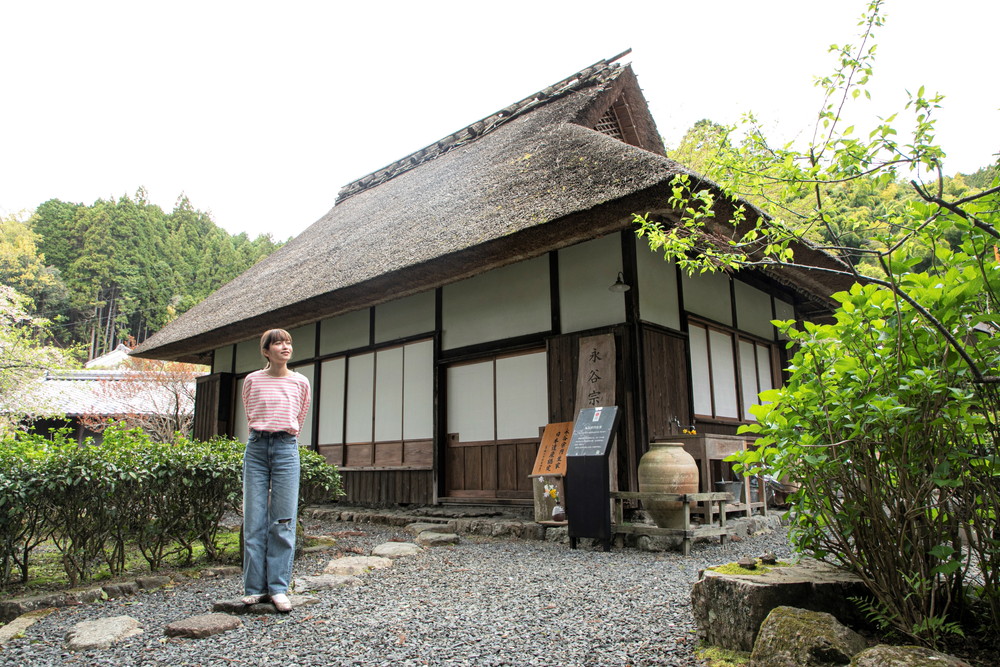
(280, 351)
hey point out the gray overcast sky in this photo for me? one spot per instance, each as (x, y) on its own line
(260, 112)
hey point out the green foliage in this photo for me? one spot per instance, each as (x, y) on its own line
(888, 422)
(320, 481)
(100, 502)
(24, 356)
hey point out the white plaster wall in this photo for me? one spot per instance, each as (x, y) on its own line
(303, 341)
(248, 356)
(658, 295)
(522, 395)
(707, 294)
(586, 270)
(418, 390)
(389, 394)
(753, 310)
(360, 397)
(503, 303)
(404, 317)
(345, 332)
(222, 360)
(470, 401)
(331, 402)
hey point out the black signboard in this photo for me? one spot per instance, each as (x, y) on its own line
(588, 490)
(593, 431)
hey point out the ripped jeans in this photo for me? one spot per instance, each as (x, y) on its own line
(270, 506)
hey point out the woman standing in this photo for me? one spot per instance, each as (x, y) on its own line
(276, 400)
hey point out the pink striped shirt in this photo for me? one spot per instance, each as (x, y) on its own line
(276, 403)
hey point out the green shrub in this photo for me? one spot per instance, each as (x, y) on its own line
(97, 502)
(320, 482)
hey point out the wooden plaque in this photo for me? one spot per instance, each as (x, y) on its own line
(551, 459)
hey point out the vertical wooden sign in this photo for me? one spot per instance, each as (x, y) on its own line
(595, 385)
(596, 372)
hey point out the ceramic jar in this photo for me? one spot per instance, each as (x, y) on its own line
(667, 468)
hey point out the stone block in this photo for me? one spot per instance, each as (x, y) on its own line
(905, 656)
(729, 609)
(324, 582)
(204, 625)
(791, 637)
(417, 528)
(11, 609)
(121, 590)
(431, 539)
(397, 549)
(355, 565)
(237, 607)
(151, 583)
(101, 633)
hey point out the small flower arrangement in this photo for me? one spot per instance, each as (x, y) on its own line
(689, 431)
(551, 491)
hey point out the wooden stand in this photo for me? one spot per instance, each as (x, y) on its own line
(710, 451)
(687, 533)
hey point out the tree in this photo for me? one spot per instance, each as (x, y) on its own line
(890, 419)
(24, 357)
(155, 396)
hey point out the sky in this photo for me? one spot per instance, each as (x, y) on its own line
(260, 112)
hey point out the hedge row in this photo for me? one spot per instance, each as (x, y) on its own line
(96, 501)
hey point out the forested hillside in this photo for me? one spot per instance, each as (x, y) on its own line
(119, 270)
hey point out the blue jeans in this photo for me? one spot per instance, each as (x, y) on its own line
(270, 505)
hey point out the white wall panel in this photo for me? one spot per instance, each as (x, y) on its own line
(700, 372)
(658, 295)
(303, 342)
(707, 294)
(360, 397)
(345, 332)
(748, 376)
(723, 374)
(248, 356)
(389, 394)
(418, 390)
(753, 310)
(522, 395)
(404, 317)
(503, 303)
(470, 401)
(222, 360)
(586, 270)
(241, 429)
(305, 435)
(331, 402)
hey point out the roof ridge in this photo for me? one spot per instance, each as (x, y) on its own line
(598, 73)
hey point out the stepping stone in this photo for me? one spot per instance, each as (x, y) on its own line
(417, 528)
(237, 607)
(16, 627)
(101, 633)
(429, 539)
(204, 625)
(355, 565)
(325, 582)
(396, 550)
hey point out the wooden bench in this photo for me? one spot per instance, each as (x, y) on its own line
(687, 533)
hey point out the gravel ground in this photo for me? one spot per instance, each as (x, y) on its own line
(483, 602)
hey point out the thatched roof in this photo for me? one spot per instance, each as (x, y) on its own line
(517, 184)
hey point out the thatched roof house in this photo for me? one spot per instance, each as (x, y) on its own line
(498, 241)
